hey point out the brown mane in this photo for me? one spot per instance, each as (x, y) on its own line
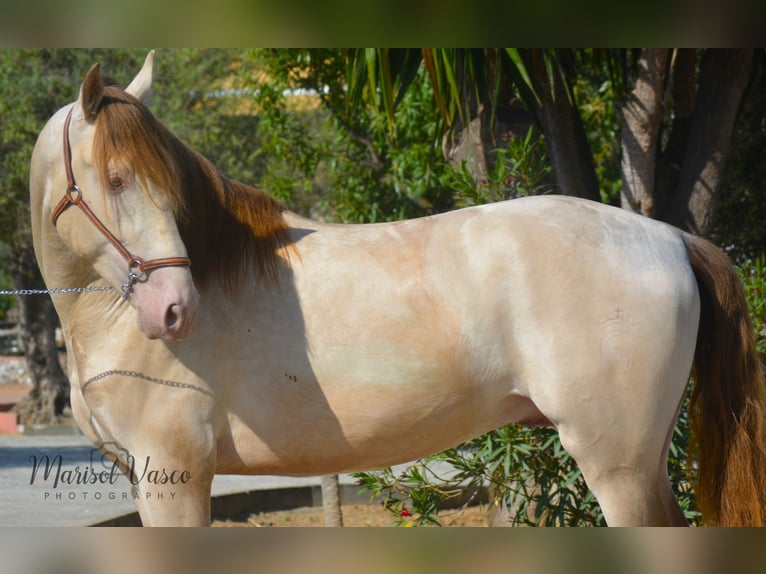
(229, 229)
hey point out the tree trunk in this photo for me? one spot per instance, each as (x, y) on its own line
(333, 515)
(473, 144)
(571, 156)
(641, 119)
(498, 513)
(724, 75)
(683, 90)
(472, 137)
(49, 397)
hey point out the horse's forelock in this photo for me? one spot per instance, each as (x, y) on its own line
(127, 133)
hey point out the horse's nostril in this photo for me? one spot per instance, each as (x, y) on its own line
(172, 316)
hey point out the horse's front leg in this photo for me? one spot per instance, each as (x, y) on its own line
(164, 441)
(170, 482)
(175, 504)
(171, 475)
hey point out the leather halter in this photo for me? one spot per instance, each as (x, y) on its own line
(73, 196)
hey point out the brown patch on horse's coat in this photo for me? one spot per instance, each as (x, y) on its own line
(229, 229)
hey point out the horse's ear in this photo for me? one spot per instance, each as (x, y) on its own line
(142, 83)
(91, 92)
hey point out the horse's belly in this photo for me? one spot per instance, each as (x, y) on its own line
(370, 429)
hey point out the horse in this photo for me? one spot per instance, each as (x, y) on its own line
(239, 337)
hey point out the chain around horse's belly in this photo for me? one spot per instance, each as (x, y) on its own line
(137, 375)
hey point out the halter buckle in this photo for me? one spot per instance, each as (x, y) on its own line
(133, 277)
(127, 287)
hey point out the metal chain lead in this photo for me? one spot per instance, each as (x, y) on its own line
(54, 291)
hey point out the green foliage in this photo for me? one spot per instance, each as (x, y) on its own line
(741, 208)
(528, 467)
(412, 497)
(597, 100)
(753, 274)
(200, 95)
(352, 167)
(522, 168)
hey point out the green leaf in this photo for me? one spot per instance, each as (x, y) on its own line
(356, 77)
(371, 57)
(521, 70)
(434, 74)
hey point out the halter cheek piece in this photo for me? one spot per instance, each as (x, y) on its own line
(137, 266)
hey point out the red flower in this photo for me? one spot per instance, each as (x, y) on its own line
(405, 512)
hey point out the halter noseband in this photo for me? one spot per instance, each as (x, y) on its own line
(73, 196)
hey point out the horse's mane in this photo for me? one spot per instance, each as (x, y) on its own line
(229, 229)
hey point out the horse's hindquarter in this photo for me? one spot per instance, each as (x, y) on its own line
(604, 319)
(402, 339)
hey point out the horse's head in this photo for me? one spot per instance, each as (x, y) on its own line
(105, 167)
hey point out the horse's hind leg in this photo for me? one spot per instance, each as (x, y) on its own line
(625, 465)
(633, 496)
(623, 457)
(628, 491)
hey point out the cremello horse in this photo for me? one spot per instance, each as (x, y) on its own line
(294, 347)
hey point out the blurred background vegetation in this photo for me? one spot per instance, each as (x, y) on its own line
(360, 136)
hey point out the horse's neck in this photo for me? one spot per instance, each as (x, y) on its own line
(61, 271)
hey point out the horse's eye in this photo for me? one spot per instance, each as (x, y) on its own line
(116, 182)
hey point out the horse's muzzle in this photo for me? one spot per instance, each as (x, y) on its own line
(166, 303)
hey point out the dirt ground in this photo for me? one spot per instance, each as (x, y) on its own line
(354, 515)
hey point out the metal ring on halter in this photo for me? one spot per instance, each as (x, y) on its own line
(136, 263)
(74, 188)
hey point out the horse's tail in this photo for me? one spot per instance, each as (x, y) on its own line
(727, 403)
